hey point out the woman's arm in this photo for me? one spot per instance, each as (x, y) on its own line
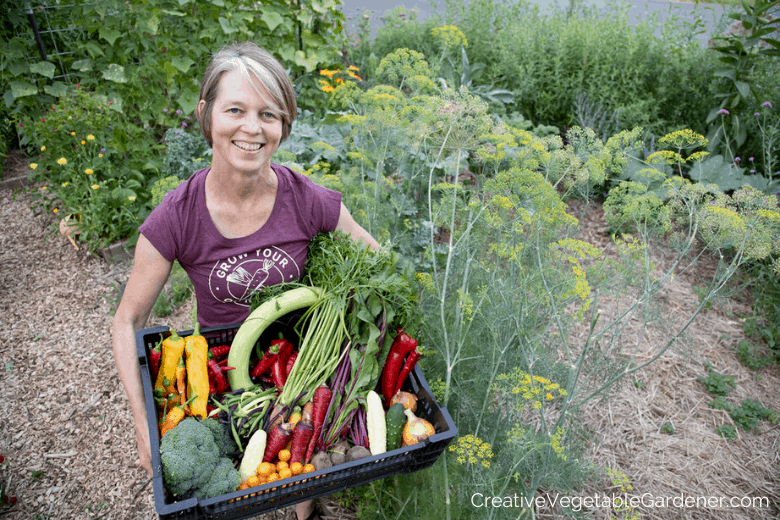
(150, 271)
(348, 225)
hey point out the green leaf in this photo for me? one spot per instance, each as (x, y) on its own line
(115, 73)
(227, 26)
(149, 25)
(93, 49)
(115, 103)
(22, 89)
(173, 13)
(82, 65)
(44, 68)
(220, 3)
(272, 19)
(743, 88)
(17, 68)
(188, 101)
(110, 35)
(56, 89)
(183, 64)
(725, 73)
(8, 97)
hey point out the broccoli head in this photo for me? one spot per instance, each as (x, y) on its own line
(224, 479)
(188, 455)
(222, 437)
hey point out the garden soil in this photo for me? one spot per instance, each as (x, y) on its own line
(67, 435)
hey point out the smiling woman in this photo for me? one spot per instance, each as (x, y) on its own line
(236, 227)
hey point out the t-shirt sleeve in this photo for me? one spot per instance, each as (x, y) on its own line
(161, 227)
(326, 209)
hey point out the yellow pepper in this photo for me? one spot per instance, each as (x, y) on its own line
(197, 351)
(172, 350)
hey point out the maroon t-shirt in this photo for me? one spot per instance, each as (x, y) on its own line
(227, 271)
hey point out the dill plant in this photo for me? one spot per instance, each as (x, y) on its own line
(478, 207)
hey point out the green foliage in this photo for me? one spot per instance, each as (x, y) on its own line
(746, 415)
(727, 431)
(752, 357)
(185, 153)
(667, 428)
(717, 384)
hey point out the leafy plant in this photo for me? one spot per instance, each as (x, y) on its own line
(717, 384)
(185, 153)
(667, 428)
(746, 415)
(752, 357)
(727, 431)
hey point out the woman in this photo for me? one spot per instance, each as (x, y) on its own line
(237, 226)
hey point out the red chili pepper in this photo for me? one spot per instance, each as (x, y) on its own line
(266, 362)
(222, 362)
(220, 351)
(402, 345)
(154, 360)
(278, 373)
(290, 362)
(219, 378)
(411, 360)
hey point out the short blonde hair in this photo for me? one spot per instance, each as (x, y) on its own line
(255, 64)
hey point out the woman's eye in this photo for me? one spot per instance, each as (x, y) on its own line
(269, 115)
(233, 110)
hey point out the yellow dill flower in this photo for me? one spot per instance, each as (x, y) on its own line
(470, 449)
(89, 171)
(555, 443)
(683, 139)
(669, 156)
(90, 137)
(697, 156)
(450, 36)
(33, 165)
(62, 160)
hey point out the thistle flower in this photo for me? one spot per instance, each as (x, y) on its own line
(766, 104)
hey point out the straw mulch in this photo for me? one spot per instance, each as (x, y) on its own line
(67, 435)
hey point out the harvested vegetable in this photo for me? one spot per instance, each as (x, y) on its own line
(253, 455)
(375, 423)
(357, 452)
(257, 322)
(407, 399)
(411, 361)
(181, 383)
(220, 383)
(154, 359)
(416, 429)
(302, 434)
(174, 416)
(321, 460)
(402, 345)
(197, 350)
(172, 349)
(278, 438)
(338, 453)
(394, 421)
(320, 404)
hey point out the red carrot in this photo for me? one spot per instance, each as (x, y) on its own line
(290, 362)
(411, 360)
(301, 437)
(278, 438)
(321, 401)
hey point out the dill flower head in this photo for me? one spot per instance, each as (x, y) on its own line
(450, 36)
(470, 449)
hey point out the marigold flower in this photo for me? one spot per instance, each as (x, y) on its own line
(83, 142)
(43, 188)
(43, 148)
(100, 155)
(95, 186)
(62, 160)
(55, 210)
(73, 133)
(33, 165)
(89, 171)
(328, 88)
(328, 73)
(90, 137)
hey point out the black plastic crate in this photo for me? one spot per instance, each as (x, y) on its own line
(283, 493)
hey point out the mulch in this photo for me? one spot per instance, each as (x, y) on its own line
(67, 435)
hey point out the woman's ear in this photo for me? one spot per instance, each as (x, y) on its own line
(201, 104)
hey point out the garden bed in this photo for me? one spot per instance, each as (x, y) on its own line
(68, 439)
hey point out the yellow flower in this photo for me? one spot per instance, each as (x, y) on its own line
(83, 142)
(131, 198)
(64, 184)
(43, 188)
(328, 88)
(328, 73)
(34, 165)
(470, 449)
(353, 68)
(55, 210)
(62, 160)
(100, 155)
(73, 133)
(90, 137)
(95, 186)
(43, 148)
(89, 171)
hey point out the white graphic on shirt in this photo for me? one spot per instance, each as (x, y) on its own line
(237, 278)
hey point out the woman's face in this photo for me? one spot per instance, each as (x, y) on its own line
(245, 127)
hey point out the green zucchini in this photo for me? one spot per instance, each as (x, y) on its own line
(395, 420)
